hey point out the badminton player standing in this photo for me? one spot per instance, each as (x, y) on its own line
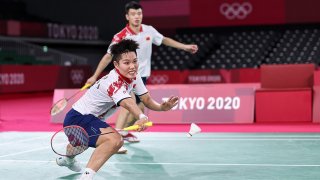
(145, 35)
(101, 100)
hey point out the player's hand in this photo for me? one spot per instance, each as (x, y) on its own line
(141, 123)
(191, 48)
(91, 80)
(170, 103)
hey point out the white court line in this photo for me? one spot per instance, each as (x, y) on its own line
(184, 164)
(24, 140)
(184, 139)
(187, 139)
(23, 152)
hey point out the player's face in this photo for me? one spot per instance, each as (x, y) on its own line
(127, 65)
(134, 17)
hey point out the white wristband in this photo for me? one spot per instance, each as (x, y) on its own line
(142, 116)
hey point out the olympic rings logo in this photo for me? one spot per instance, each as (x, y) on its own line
(77, 76)
(158, 79)
(236, 10)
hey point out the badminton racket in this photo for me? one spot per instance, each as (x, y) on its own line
(62, 103)
(73, 140)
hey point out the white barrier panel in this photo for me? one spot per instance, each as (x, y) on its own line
(205, 103)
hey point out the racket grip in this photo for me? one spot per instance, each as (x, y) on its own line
(136, 127)
(85, 87)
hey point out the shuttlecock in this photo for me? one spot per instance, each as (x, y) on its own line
(194, 129)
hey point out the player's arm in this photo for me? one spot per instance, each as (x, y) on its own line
(192, 48)
(150, 103)
(132, 107)
(106, 59)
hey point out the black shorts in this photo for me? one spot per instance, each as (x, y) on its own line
(144, 79)
(89, 123)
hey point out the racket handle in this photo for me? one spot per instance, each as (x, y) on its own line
(85, 87)
(136, 127)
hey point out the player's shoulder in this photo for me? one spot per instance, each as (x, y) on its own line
(147, 27)
(120, 35)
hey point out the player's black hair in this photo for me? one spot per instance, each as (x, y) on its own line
(132, 5)
(124, 46)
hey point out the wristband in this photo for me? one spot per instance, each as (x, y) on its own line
(142, 116)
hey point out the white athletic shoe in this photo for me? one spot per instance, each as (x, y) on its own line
(72, 164)
(87, 175)
(122, 150)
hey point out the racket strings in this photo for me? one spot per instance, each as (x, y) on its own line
(58, 106)
(78, 140)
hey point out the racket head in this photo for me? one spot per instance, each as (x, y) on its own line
(70, 141)
(58, 106)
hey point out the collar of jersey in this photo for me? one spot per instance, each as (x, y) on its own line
(127, 80)
(131, 31)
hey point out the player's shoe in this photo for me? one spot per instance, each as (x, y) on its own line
(86, 176)
(122, 150)
(131, 138)
(72, 164)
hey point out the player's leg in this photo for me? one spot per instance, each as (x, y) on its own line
(105, 146)
(70, 162)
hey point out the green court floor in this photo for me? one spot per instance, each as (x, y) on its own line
(163, 156)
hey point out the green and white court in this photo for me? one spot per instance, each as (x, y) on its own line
(163, 156)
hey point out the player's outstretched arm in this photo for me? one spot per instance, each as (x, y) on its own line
(106, 59)
(132, 107)
(191, 48)
(153, 105)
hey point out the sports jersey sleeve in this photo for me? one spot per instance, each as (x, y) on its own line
(156, 36)
(139, 87)
(118, 93)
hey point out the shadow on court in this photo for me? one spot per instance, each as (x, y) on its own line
(71, 176)
(144, 164)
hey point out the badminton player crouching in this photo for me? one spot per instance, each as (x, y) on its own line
(102, 99)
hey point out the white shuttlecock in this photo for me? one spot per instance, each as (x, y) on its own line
(194, 129)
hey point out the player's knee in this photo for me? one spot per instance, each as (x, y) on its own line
(116, 143)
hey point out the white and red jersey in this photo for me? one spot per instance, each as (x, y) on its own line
(102, 99)
(145, 38)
